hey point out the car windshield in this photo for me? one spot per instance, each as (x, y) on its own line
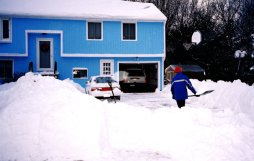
(104, 80)
(135, 72)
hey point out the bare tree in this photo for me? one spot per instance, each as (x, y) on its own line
(227, 14)
(246, 25)
(226, 25)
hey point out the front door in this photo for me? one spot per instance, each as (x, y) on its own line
(45, 54)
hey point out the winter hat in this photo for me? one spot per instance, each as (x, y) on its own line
(178, 69)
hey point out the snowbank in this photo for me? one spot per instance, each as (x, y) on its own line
(42, 118)
(236, 96)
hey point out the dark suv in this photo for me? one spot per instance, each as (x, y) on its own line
(133, 79)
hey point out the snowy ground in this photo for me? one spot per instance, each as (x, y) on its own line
(46, 119)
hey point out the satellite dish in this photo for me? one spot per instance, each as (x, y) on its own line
(196, 37)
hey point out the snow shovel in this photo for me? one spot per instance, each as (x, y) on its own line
(204, 93)
(110, 85)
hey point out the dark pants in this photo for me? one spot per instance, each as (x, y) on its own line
(180, 103)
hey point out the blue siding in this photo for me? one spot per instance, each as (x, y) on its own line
(150, 37)
(65, 65)
(150, 40)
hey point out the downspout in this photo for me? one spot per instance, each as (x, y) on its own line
(164, 58)
(164, 39)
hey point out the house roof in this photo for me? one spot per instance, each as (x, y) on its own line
(186, 68)
(80, 9)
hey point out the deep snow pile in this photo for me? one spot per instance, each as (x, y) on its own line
(236, 96)
(42, 118)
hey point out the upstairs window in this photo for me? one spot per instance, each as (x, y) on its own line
(6, 69)
(94, 30)
(129, 31)
(5, 30)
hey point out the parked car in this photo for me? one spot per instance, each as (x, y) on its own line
(103, 87)
(133, 79)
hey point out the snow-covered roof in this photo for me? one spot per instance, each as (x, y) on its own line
(186, 68)
(79, 9)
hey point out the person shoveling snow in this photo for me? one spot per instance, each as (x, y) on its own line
(179, 85)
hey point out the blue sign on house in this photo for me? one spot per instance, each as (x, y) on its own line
(81, 38)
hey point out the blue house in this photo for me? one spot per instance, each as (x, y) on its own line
(81, 38)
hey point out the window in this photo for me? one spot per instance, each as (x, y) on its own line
(94, 30)
(104, 80)
(79, 73)
(6, 68)
(129, 31)
(107, 67)
(5, 30)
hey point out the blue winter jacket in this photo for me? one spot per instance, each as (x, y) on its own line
(179, 86)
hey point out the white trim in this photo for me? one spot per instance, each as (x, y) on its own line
(111, 61)
(80, 68)
(12, 66)
(12, 55)
(144, 62)
(44, 31)
(162, 72)
(9, 40)
(136, 30)
(95, 21)
(38, 40)
(26, 42)
(165, 49)
(84, 17)
(111, 55)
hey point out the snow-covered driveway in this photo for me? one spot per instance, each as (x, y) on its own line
(150, 100)
(158, 99)
(225, 96)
